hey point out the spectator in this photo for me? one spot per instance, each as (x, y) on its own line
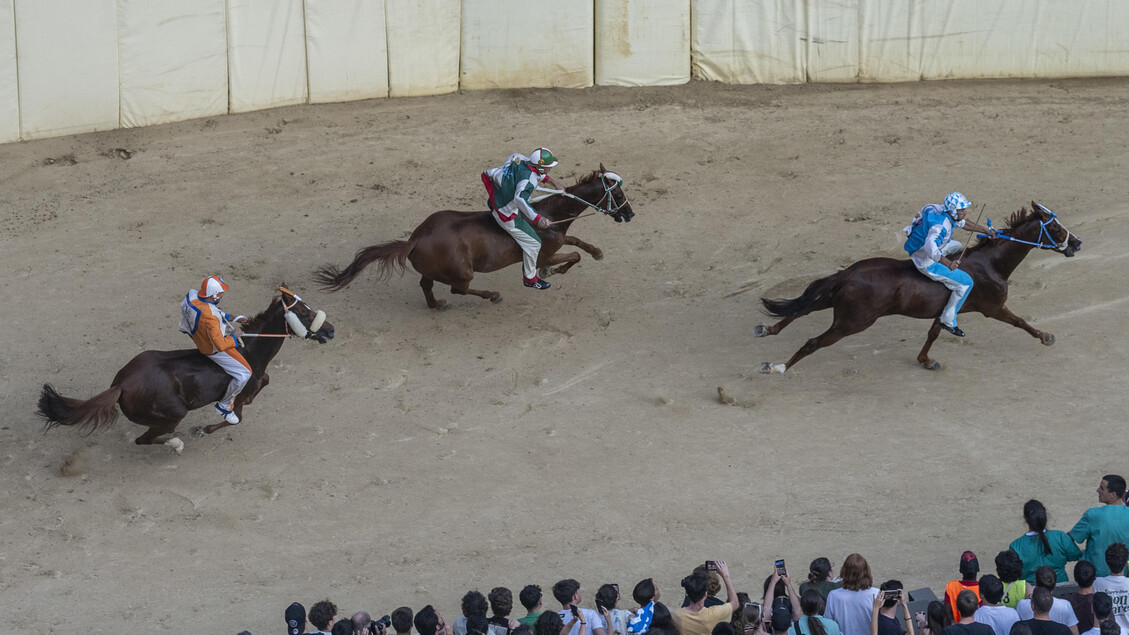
(723, 628)
(1082, 600)
(782, 617)
(645, 594)
(1009, 568)
(295, 619)
(1060, 610)
(428, 621)
(662, 622)
(966, 603)
(607, 597)
(713, 587)
(884, 615)
(1102, 526)
(473, 603)
(1019, 628)
(812, 622)
(501, 603)
(935, 619)
(402, 621)
(530, 598)
(322, 616)
(361, 622)
(1103, 613)
(478, 625)
(969, 567)
(697, 618)
(998, 617)
(567, 592)
(1040, 546)
(748, 619)
(1041, 602)
(1116, 585)
(550, 623)
(523, 629)
(820, 579)
(344, 627)
(1109, 628)
(850, 605)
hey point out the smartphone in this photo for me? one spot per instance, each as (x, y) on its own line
(780, 570)
(892, 595)
(752, 612)
(575, 611)
(711, 565)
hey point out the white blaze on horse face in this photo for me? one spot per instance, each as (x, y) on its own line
(296, 325)
(319, 319)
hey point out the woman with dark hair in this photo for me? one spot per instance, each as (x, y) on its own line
(1009, 569)
(606, 599)
(936, 618)
(851, 605)
(811, 604)
(662, 623)
(1041, 546)
(748, 619)
(820, 578)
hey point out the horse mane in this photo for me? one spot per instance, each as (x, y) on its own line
(1016, 219)
(258, 321)
(588, 178)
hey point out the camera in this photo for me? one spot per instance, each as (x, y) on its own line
(379, 626)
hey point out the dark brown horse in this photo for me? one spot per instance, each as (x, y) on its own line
(449, 247)
(158, 388)
(872, 288)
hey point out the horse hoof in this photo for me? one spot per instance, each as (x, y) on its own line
(196, 432)
(599, 255)
(176, 444)
(934, 365)
(765, 368)
(779, 368)
(760, 330)
(1050, 339)
(496, 300)
(442, 305)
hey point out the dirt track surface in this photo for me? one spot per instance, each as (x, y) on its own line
(576, 432)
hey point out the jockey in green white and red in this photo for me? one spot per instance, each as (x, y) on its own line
(509, 187)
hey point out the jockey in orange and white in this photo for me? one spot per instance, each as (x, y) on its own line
(509, 187)
(201, 318)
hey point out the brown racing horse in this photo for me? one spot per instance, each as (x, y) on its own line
(158, 388)
(449, 247)
(872, 288)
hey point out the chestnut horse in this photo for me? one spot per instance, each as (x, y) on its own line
(158, 388)
(872, 288)
(449, 247)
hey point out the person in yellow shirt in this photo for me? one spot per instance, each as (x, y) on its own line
(697, 618)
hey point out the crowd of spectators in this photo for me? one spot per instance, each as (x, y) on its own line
(1018, 600)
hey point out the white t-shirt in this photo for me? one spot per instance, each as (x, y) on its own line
(851, 610)
(594, 620)
(1000, 618)
(1061, 611)
(1117, 586)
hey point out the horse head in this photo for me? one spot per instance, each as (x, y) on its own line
(602, 190)
(1052, 233)
(303, 321)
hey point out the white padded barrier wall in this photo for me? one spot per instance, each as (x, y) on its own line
(423, 46)
(832, 40)
(642, 42)
(890, 43)
(747, 42)
(173, 60)
(9, 79)
(346, 50)
(518, 44)
(67, 52)
(266, 55)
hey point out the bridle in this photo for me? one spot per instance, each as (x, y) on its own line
(607, 204)
(294, 326)
(1050, 242)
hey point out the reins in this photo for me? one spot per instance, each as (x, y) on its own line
(1053, 244)
(610, 208)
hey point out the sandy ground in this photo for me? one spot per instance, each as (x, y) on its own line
(576, 432)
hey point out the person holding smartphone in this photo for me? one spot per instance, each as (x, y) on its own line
(583, 621)
(884, 618)
(697, 618)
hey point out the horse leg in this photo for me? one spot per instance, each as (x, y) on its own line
(153, 435)
(761, 330)
(594, 251)
(566, 261)
(249, 396)
(463, 288)
(923, 357)
(846, 322)
(427, 284)
(1003, 314)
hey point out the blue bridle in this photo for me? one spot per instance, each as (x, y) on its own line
(1043, 233)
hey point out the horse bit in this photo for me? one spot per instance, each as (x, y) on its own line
(1052, 243)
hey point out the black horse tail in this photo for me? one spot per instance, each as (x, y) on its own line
(819, 295)
(392, 256)
(96, 413)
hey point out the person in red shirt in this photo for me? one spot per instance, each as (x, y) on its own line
(969, 567)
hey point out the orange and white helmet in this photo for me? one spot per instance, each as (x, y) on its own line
(211, 286)
(542, 159)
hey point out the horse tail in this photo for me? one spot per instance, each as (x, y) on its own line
(819, 295)
(392, 256)
(96, 413)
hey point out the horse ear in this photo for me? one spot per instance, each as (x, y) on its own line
(602, 168)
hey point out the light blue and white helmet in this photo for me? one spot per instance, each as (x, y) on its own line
(955, 202)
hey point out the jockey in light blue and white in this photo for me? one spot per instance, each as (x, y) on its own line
(930, 243)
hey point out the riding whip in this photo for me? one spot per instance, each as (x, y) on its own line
(977, 224)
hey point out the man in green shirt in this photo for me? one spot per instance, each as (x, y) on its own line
(1102, 526)
(530, 598)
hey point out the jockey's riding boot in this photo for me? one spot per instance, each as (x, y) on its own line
(954, 329)
(539, 284)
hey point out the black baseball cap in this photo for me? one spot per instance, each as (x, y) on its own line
(295, 619)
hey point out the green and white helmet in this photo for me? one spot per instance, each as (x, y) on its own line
(541, 158)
